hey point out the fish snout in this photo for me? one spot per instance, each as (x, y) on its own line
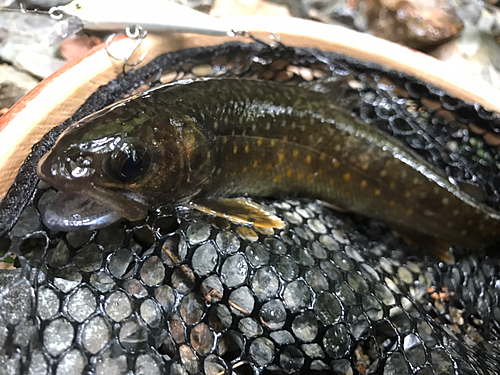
(62, 171)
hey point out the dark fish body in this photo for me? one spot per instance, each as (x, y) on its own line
(221, 138)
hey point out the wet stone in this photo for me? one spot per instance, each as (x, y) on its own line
(81, 304)
(341, 237)
(297, 295)
(67, 278)
(342, 367)
(292, 217)
(213, 365)
(198, 232)
(165, 296)
(47, 303)
(287, 268)
(291, 359)
(316, 226)
(313, 350)
(275, 246)
(261, 351)
(176, 329)
(89, 258)
(38, 365)
(357, 283)
(174, 250)
(58, 336)
(201, 339)
(273, 314)
(372, 307)
(96, 334)
(102, 281)
(59, 256)
(133, 335)
(192, 308)
(305, 326)
(257, 254)
(4, 332)
(150, 313)
(10, 365)
(219, 318)
(318, 251)
(336, 341)
(72, 363)
(188, 359)
(329, 242)
(405, 275)
(241, 301)
(265, 283)
(396, 365)
(118, 306)
(135, 288)
(121, 263)
(227, 242)
(384, 294)
(27, 223)
(109, 364)
(24, 333)
(303, 257)
(212, 289)
(111, 237)
(343, 262)
(414, 350)
(146, 364)
(282, 337)
(327, 308)
(183, 279)
(234, 271)
(426, 333)
(316, 280)
(441, 362)
(330, 270)
(78, 239)
(205, 259)
(345, 294)
(250, 327)
(152, 271)
(17, 303)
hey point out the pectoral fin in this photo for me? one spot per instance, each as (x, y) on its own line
(239, 211)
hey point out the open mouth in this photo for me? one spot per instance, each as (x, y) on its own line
(93, 209)
(70, 212)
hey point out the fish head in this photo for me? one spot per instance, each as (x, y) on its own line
(121, 161)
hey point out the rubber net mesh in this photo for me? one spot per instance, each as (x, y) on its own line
(186, 293)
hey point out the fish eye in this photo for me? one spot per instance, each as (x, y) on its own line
(129, 161)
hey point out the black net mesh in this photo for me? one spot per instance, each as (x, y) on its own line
(186, 293)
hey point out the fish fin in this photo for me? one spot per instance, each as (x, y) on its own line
(333, 207)
(432, 245)
(239, 211)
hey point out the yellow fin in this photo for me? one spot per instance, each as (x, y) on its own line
(239, 211)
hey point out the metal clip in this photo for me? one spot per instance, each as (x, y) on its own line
(137, 33)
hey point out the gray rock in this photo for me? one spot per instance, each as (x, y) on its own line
(14, 84)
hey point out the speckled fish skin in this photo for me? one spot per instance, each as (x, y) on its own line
(220, 138)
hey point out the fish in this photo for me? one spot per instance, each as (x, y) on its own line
(211, 139)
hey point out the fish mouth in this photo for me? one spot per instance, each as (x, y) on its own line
(91, 209)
